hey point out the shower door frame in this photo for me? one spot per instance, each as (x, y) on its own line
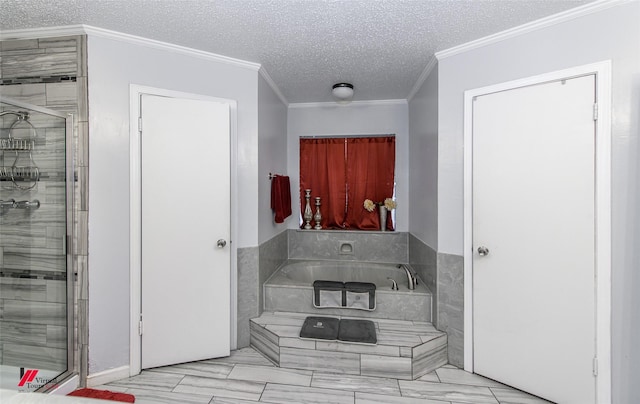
(69, 233)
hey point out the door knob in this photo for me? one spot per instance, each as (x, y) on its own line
(483, 251)
(222, 243)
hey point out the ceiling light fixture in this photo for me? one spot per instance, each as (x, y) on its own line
(343, 92)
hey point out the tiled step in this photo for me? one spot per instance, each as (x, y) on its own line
(405, 350)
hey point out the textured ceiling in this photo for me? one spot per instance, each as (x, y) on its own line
(381, 46)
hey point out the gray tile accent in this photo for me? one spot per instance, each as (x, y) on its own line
(386, 350)
(450, 298)
(356, 383)
(166, 397)
(241, 389)
(423, 260)
(389, 247)
(447, 392)
(271, 375)
(511, 396)
(272, 254)
(277, 393)
(149, 379)
(368, 398)
(245, 356)
(202, 369)
(386, 366)
(285, 385)
(247, 292)
(339, 362)
(265, 342)
(404, 306)
(459, 376)
(429, 356)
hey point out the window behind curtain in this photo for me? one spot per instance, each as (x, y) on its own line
(344, 172)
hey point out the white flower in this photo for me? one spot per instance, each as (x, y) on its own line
(369, 205)
(390, 204)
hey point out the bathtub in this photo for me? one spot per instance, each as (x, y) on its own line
(290, 289)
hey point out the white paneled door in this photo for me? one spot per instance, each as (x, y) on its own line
(185, 283)
(534, 309)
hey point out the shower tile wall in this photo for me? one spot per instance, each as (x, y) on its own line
(388, 247)
(47, 72)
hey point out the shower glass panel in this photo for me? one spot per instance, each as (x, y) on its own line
(36, 289)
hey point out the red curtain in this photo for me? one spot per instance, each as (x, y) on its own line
(370, 175)
(344, 172)
(323, 171)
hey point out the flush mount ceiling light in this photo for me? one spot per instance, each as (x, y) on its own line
(343, 92)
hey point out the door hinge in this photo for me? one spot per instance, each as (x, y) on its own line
(140, 124)
(595, 111)
(140, 328)
(595, 366)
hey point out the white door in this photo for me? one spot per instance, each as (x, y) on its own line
(533, 210)
(185, 224)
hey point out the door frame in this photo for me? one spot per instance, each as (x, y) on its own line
(135, 213)
(602, 71)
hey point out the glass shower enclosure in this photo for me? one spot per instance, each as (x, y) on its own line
(36, 221)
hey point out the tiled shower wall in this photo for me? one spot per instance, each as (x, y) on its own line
(48, 72)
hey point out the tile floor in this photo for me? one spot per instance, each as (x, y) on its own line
(247, 377)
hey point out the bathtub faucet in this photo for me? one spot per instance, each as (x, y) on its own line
(411, 278)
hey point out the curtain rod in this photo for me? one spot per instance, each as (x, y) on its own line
(343, 136)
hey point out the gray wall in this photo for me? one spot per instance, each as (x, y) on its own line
(423, 161)
(113, 65)
(614, 34)
(272, 143)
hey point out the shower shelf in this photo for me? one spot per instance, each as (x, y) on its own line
(17, 144)
(19, 173)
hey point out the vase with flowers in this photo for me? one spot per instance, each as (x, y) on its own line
(383, 208)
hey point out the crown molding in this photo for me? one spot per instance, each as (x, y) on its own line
(532, 26)
(152, 43)
(425, 73)
(48, 32)
(332, 104)
(265, 75)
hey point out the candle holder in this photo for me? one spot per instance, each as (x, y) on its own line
(318, 215)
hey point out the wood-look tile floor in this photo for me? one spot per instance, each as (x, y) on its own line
(247, 377)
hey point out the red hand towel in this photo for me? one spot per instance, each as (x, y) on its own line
(281, 197)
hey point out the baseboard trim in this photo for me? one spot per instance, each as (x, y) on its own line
(107, 376)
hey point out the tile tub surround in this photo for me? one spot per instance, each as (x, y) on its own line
(272, 254)
(406, 350)
(450, 298)
(284, 294)
(255, 265)
(248, 288)
(423, 260)
(368, 246)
